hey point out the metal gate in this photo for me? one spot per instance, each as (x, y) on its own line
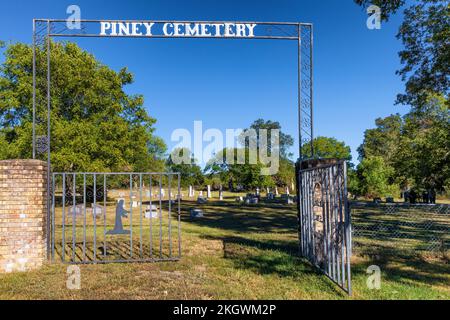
(115, 217)
(324, 218)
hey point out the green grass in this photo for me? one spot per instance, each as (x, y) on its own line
(235, 252)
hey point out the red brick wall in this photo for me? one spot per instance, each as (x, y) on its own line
(23, 215)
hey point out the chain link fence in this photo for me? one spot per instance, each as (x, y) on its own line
(401, 229)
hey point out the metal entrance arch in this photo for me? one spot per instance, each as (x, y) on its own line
(46, 29)
(302, 33)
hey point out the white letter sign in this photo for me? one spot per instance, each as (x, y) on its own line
(177, 29)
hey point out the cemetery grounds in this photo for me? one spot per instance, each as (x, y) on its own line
(240, 251)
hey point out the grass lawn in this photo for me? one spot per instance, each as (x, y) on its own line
(235, 252)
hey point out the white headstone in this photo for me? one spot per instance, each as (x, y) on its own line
(97, 210)
(150, 214)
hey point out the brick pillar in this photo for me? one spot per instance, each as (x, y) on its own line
(23, 215)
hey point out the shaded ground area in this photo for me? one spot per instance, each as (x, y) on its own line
(237, 252)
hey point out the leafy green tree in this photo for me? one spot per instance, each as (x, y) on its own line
(388, 7)
(95, 125)
(423, 156)
(383, 140)
(331, 148)
(416, 146)
(191, 173)
(245, 174)
(419, 152)
(375, 178)
(353, 183)
(286, 173)
(426, 55)
(285, 143)
(328, 148)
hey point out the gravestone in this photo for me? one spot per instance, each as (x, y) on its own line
(97, 211)
(78, 211)
(202, 200)
(251, 199)
(151, 212)
(196, 213)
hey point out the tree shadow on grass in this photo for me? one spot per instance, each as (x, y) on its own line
(241, 219)
(404, 266)
(265, 257)
(274, 257)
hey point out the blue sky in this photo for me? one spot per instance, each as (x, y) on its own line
(231, 83)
